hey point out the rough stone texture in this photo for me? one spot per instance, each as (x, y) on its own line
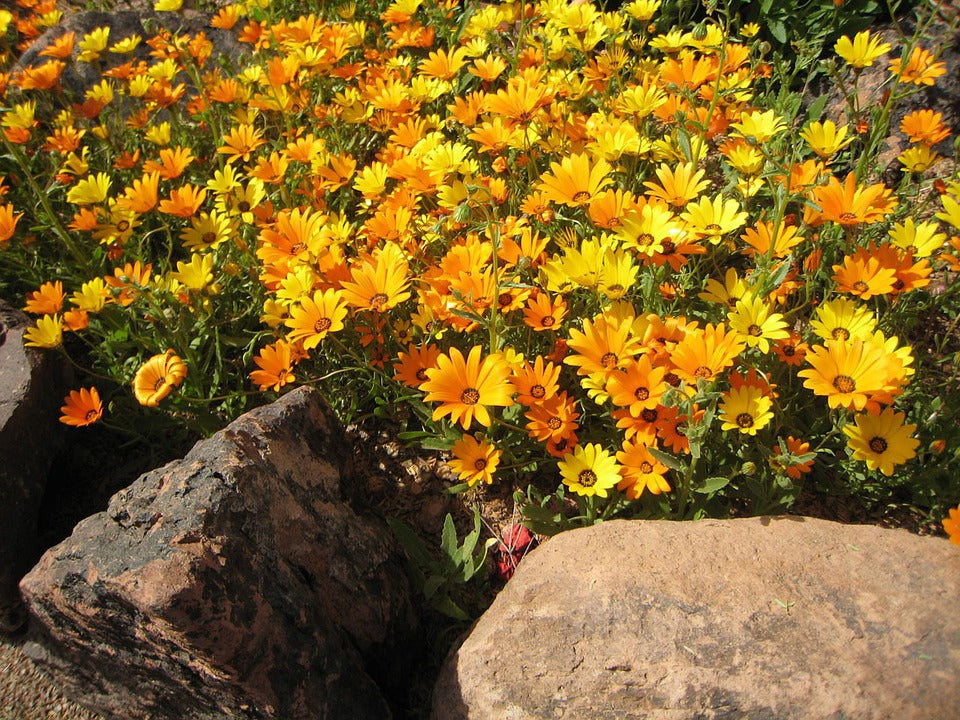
(32, 387)
(752, 618)
(237, 582)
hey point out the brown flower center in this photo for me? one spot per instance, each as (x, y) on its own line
(581, 196)
(505, 299)
(646, 468)
(615, 288)
(671, 379)
(649, 415)
(554, 423)
(860, 286)
(878, 445)
(123, 225)
(377, 301)
(587, 478)
(298, 248)
(470, 396)
(538, 391)
(847, 217)
(480, 464)
(668, 247)
(788, 350)
(641, 393)
(755, 330)
(322, 325)
(840, 334)
(609, 360)
(208, 237)
(90, 416)
(548, 321)
(158, 384)
(422, 374)
(243, 206)
(844, 384)
(703, 372)
(744, 420)
(712, 228)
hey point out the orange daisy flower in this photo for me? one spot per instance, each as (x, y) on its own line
(536, 383)
(474, 461)
(465, 387)
(379, 284)
(141, 197)
(82, 407)
(414, 363)
(703, 354)
(553, 419)
(48, 300)
(850, 204)
(677, 186)
(638, 387)
(240, 143)
(542, 313)
(924, 127)
(314, 318)
(573, 181)
(172, 163)
(920, 68)
(157, 377)
(183, 202)
(276, 366)
(604, 345)
(864, 275)
(640, 471)
(849, 374)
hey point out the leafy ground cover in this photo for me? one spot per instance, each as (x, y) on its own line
(608, 263)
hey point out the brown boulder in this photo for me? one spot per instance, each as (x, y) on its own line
(32, 386)
(750, 618)
(238, 582)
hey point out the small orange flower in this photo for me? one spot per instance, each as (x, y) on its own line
(48, 300)
(920, 68)
(183, 202)
(464, 387)
(82, 407)
(157, 377)
(8, 222)
(543, 314)
(951, 525)
(412, 365)
(276, 366)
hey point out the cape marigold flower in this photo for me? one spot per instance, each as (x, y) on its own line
(922, 239)
(465, 387)
(380, 284)
(729, 292)
(638, 387)
(745, 408)
(826, 139)
(553, 418)
(240, 143)
(412, 365)
(47, 333)
(573, 182)
(157, 377)
(924, 127)
(474, 461)
(715, 218)
(862, 50)
(589, 470)
(90, 190)
(196, 274)
(640, 471)
(184, 201)
(703, 354)
(48, 300)
(848, 374)
(677, 186)
(918, 159)
(762, 240)
(8, 222)
(81, 407)
(883, 441)
(172, 163)
(41, 77)
(920, 68)
(314, 318)
(951, 525)
(797, 448)
(756, 324)
(276, 366)
(536, 383)
(843, 319)
(761, 126)
(92, 296)
(851, 204)
(864, 275)
(604, 345)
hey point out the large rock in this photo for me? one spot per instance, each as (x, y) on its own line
(32, 386)
(751, 618)
(238, 582)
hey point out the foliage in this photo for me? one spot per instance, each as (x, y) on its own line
(608, 261)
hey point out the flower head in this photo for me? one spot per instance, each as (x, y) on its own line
(883, 441)
(464, 387)
(862, 50)
(82, 407)
(589, 470)
(474, 461)
(157, 377)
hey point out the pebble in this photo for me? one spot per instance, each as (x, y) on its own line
(27, 693)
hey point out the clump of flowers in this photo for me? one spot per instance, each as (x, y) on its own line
(587, 254)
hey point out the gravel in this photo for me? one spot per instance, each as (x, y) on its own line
(27, 693)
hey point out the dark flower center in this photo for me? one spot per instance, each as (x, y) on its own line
(703, 372)
(208, 237)
(470, 396)
(480, 464)
(554, 423)
(548, 321)
(755, 330)
(847, 217)
(844, 384)
(243, 206)
(158, 384)
(322, 325)
(587, 478)
(649, 415)
(538, 391)
(841, 334)
(377, 301)
(860, 286)
(608, 360)
(581, 196)
(641, 393)
(646, 468)
(90, 416)
(744, 420)
(878, 445)
(422, 374)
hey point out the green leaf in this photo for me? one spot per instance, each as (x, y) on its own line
(712, 484)
(666, 458)
(448, 541)
(816, 108)
(778, 30)
(414, 547)
(449, 608)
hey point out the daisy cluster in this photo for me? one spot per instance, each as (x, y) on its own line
(578, 244)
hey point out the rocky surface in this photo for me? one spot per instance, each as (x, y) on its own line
(32, 386)
(750, 618)
(238, 582)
